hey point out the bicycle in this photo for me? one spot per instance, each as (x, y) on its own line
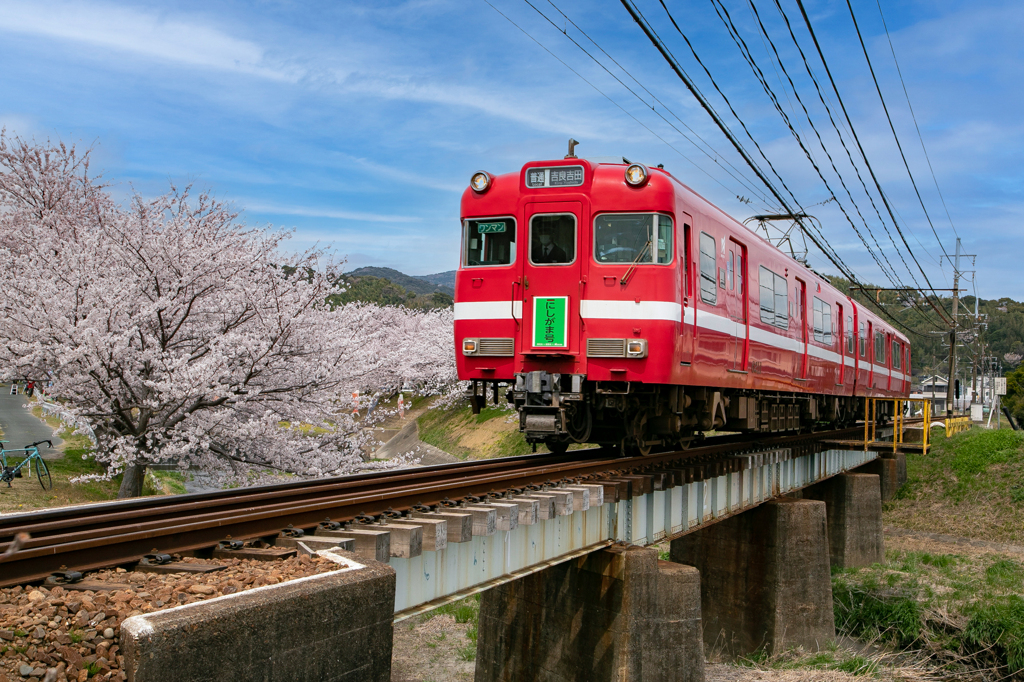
(9, 473)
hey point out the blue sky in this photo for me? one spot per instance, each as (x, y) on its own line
(359, 124)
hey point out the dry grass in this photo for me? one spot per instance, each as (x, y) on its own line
(971, 485)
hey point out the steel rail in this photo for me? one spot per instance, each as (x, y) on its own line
(99, 515)
(129, 531)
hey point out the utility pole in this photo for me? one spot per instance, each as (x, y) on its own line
(952, 332)
(974, 383)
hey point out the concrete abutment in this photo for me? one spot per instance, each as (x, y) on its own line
(333, 626)
(615, 614)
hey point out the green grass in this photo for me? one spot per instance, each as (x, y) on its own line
(465, 610)
(968, 605)
(970, 485)
(999, 625)
(445, 427)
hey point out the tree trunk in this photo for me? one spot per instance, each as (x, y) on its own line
(131, 484)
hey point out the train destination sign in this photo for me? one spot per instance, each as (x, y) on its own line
(490, 228)
(550, 322)
(560, 176)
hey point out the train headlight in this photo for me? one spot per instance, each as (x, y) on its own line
(480, 182)
(469, 346)
(637, 174)
(636, 348)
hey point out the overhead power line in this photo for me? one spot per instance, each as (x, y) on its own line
(892, 127)
(734, 33)
(648, 30)
(920, 137)
(707, 149)
(860, 147)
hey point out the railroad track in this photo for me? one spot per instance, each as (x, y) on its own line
(114, 533)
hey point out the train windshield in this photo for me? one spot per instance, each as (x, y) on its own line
(633, 238)
(491, 241)
(553, 239)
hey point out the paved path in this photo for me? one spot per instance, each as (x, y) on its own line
(21, 427)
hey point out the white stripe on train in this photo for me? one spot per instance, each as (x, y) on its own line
(669, 311)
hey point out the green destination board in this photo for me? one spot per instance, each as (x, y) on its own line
(490, 228)
(550, 321)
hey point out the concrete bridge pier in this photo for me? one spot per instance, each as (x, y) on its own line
(853, 507)
(615, 614)
(765, 579)
(891, 468)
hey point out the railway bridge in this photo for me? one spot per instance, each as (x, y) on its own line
(558, 545)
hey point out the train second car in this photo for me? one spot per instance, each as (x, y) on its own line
(623, 308)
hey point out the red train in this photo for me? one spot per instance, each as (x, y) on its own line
(624, 308)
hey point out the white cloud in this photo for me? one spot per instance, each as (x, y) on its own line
(177, 40)
(311, 212)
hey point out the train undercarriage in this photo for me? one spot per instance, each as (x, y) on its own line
(561, 409)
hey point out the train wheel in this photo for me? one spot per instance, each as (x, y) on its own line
(640, 433)
(558, 447)
(581, 423)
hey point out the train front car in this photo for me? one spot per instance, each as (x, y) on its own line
(570, 288)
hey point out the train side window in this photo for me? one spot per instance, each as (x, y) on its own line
(849, 334)
(730, 272)
(822, 321)
(897, 356)
(879, 348)
(781, 302)
(489, 241)
(767, 281)
(774, 298)
(553, 239)
(708, 265)
(864, 339)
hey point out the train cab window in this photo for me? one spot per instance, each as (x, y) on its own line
(774, 298)
(633, 238)
(864, 339)
(708, 265)
(490, 241)
(822, 322)
(897, 356)
(849, 334)
(553, 239)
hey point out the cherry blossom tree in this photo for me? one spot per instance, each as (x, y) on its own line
(179, 334)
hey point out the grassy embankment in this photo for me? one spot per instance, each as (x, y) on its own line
(26, 494)
(492, 433)
(962, 605)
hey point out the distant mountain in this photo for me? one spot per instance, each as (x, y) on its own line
(443, 282)
(445, 279)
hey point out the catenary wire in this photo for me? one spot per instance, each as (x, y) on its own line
(917, 127)
(712, 154)
(737, 38)
(860, 147)
(599, 91)
(724, 16)
(828, 109)
(892, 127)
(673, 64)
